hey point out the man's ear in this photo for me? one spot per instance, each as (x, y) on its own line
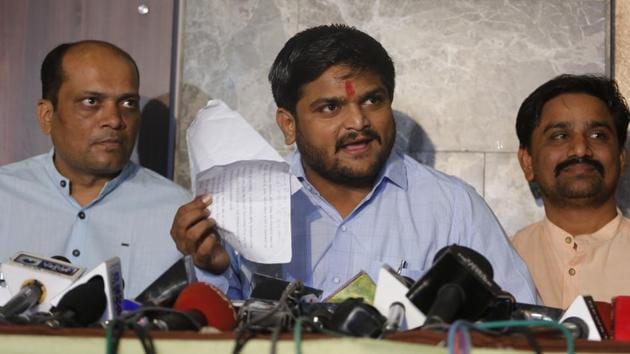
(286, 122)
(45, 112)
(622, 160)
(525, 160)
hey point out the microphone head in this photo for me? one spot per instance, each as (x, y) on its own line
(86, 302)
(456, 267)
(211, 302)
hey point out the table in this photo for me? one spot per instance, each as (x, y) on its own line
(25, 339)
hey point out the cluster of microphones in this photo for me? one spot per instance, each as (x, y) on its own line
(458, 287)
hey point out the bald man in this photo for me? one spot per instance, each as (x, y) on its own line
(85, 199)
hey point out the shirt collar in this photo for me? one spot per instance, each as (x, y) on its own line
(559, 237)
(62, 183)
(393, 171)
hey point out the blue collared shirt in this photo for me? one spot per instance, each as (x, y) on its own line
(130, 219)
(411, 213)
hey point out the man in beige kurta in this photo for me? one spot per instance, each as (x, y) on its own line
(572, 130)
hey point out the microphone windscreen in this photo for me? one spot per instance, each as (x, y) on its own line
(211, 302)
(87, 301)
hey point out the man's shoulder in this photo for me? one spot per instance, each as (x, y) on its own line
(527, 234)
(24, 170)
(421, 175)
(154, 183)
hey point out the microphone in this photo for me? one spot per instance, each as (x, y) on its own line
(164, 290)
(81, 306)
(582, 316)
(459, 285)
(111, 274)
(53, 275)
(621, 317)
(31, 294)
(203, 303)
(391, 290)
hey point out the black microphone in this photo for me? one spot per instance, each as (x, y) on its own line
(81, 306)
(31, 294)
(459, 285)
(165, 289)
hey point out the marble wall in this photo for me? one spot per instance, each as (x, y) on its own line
(463, 68)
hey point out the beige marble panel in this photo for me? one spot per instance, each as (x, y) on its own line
(465, 66)
(622, 46)
(508, 193)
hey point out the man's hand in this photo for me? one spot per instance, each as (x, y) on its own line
(195, 233)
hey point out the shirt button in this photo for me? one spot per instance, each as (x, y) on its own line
(62, 184)
(81, 215)
(336, 280)
(76, 253)
(568, 240)
(571, 271)
(344, 228)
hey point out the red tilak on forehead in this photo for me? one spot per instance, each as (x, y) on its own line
(349, 88)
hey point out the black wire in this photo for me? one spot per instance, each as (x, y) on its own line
(246, 330)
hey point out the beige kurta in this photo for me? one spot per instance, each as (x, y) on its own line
(564, 266)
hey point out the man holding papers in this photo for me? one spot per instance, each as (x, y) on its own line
(362, 204)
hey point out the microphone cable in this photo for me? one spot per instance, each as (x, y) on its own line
(458, 339)
(247, 330)
(130, 320)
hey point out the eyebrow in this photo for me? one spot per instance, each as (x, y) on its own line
(591, 124)
(337, 99)
(378, 90)
(102, 94)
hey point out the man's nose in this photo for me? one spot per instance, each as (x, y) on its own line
(580, 146)
(113, 116)
(355, 118)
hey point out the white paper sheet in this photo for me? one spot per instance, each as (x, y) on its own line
(251, 202)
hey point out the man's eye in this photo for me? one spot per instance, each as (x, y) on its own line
(130, 103)
(90, 101)
(558, 136)
(599, 135)
(373, 100)
(328, 108)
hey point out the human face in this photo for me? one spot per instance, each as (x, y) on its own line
(574, 155)
(344, 127)
(95, 123)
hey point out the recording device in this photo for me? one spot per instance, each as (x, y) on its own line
(356, 318)
(265, 287)
(584, 321)
(30, 295)
(459, 285)
(202, 303)
(111, 273)
(165, 289)
(80, 306)
(621, 318)
(24, 270)
(391, 289)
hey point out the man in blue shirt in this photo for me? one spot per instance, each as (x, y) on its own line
(84, 199)
(362, 204)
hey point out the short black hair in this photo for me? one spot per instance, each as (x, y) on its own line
(311, 52)
(52, 74)
(601, 87)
